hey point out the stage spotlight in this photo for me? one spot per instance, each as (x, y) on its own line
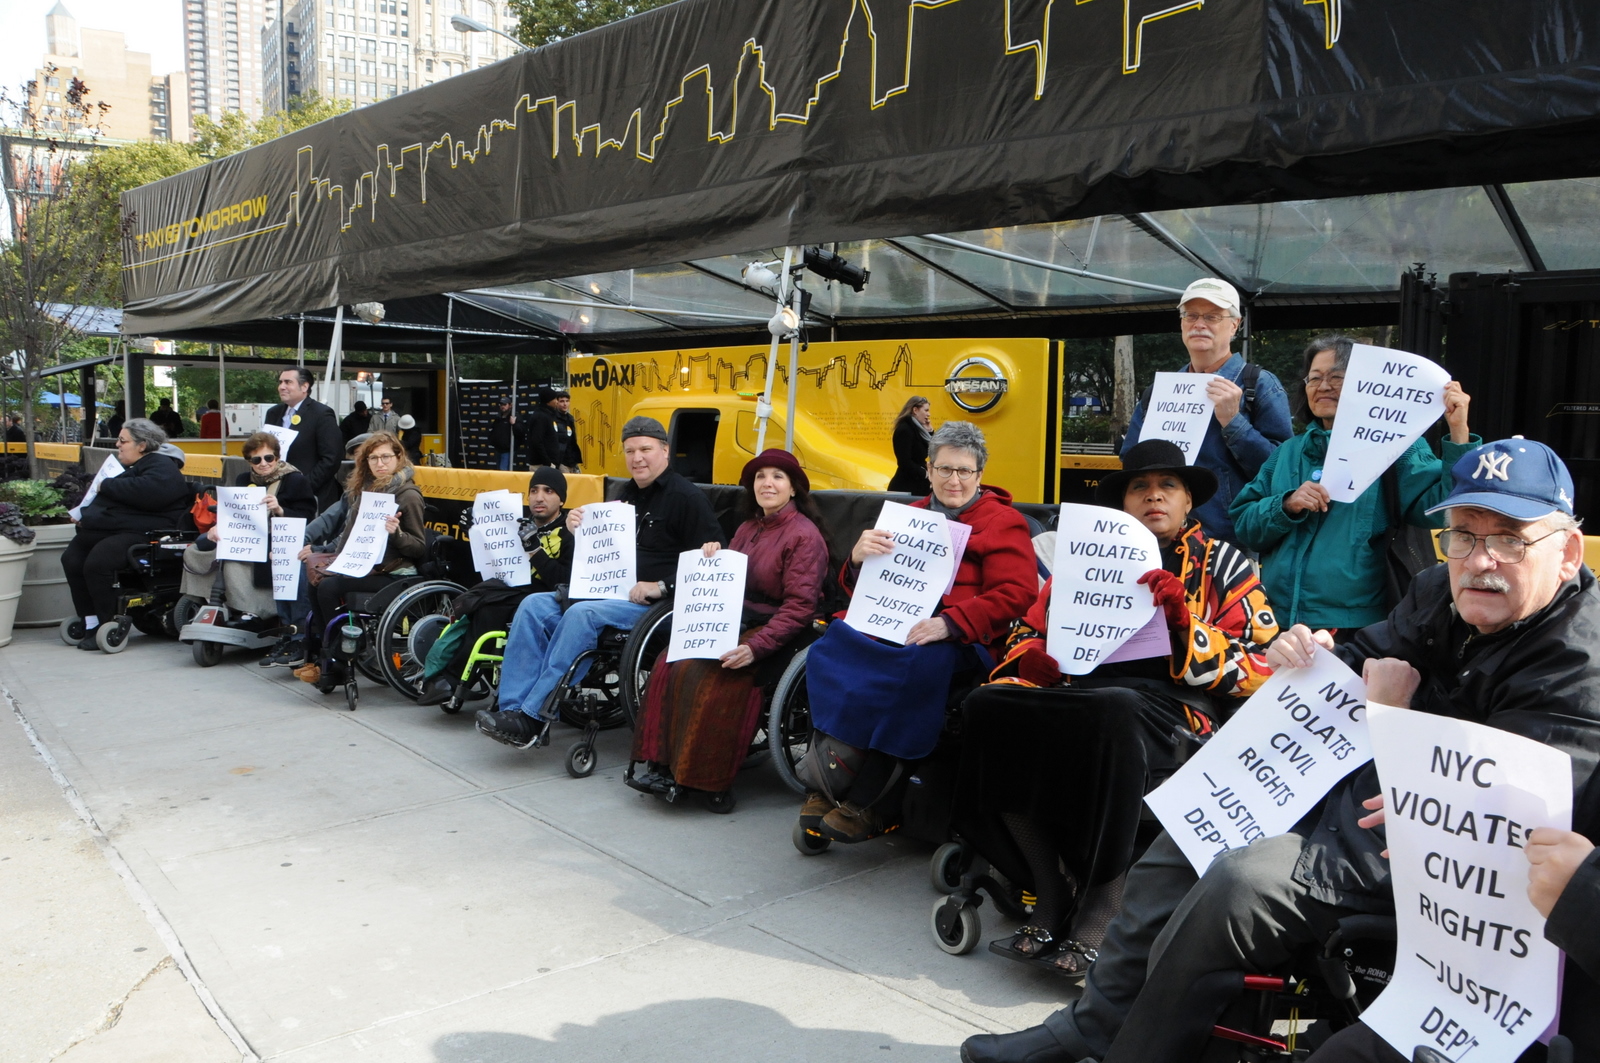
(829, 264)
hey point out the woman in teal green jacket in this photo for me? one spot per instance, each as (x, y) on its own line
(1318, 560)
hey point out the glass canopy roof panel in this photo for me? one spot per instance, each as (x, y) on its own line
(1111, 246)
(678, 288)
(1562, 219)
(900, 286)
(1362, 243)
(548, 305)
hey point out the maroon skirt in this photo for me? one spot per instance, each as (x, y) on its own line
(697, 720)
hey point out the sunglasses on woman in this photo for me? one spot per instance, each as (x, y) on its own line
(262, 459)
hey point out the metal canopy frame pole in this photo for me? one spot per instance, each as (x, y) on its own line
(1514, 227)
(300, 357)
(336, 347)
(764, 403)
(450, 388)
(222, 395)
(1024, 260)
(796, 300)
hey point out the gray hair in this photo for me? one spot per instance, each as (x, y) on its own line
(963, 435)
(145, 432)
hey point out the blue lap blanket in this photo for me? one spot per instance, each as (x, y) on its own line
(880, 696)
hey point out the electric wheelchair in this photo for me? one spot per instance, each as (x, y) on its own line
(149, 591)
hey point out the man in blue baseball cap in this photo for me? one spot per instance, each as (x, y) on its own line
(1503, 635)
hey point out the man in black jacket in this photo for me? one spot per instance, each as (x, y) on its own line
(1503, 635)
(672, 515)
(355, 422)
(504, 434)
(552, 433)
(318, 448)
(490, 605)
(167, 419)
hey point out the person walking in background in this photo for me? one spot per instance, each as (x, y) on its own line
(318, 448)
(410, 438)
(1251, 415)
(385, 420)
(119, 414)
(14, 432)
(552, 433)
(167, 419)
(211, 421)
(504, 435)
(355, 422)
(913, 430)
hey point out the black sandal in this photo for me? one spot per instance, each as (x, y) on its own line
(1038, 947)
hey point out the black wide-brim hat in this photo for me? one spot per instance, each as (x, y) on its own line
(1148, 456)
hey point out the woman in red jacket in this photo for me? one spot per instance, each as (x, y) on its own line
(888, 702)
(698, 716)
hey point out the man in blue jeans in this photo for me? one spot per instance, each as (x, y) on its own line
(671, 515)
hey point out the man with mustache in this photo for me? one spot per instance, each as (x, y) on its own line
(1506, 634)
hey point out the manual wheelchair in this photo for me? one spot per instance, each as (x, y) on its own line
(148, 590)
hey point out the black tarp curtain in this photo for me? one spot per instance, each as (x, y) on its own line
(711, 127)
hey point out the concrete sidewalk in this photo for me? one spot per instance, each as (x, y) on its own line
(388, 884)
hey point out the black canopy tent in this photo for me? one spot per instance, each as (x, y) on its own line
(709, 127)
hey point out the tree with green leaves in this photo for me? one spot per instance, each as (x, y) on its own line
(235, 132)
(542, 22)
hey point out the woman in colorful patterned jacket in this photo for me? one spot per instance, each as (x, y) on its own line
(1054, 768)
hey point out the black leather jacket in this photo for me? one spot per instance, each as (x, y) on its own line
(1539, 678)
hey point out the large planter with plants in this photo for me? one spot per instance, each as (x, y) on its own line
(16, 547)
(46, 600)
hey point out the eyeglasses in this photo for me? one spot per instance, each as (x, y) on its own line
(1506, 549)
(1333, 380)
(385, 457)
(262, 459)
(944, 472)
(1189, 317)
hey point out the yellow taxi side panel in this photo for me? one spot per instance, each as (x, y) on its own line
(849, 394)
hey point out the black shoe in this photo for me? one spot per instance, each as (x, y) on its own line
(651, 780)
(1033, 1045)
(278, 656)
(436, 691)
(295, 655)
(88, 641)
(514, 728)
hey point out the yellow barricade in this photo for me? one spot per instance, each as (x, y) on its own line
(462, 485)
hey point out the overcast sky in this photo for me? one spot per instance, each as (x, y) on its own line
(154, 26)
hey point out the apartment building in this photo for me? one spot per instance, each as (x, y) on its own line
(141, 106)
(369, 50)
(222, 55)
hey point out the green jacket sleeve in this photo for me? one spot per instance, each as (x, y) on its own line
(1259, 520)
(1425, 480)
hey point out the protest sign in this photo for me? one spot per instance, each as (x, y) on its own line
(288, 536)
(497, 552)
(959, 534)
(241, 524)
(1301, 732)
(707, 604)
(286, 438)
(1389, 399)
(1096, 602)
(900, 588)
(1474, 977)
(604, 552)
(108, 468)
(368, 539)
(1179, 411)
(490, 506)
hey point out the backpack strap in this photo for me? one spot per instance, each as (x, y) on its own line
(1249, 378)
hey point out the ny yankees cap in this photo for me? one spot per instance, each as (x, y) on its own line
(1515, 477)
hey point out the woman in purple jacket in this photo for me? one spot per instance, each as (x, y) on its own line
(699, 715)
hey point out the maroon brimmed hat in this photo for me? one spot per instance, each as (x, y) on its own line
(774, 458)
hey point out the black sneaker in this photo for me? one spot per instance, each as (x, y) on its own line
(514, 728)
(435, 691)
(294, 655)
(277, 656)
(88, 642)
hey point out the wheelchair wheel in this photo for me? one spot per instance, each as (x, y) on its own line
(112, 637)
(789, 723)
(184, 611)
(72, 631)
(581, 760)
(956, 928)
(409, 628)
(808, 844)
(207, 654)
(152, 620)
(948, 865)
(721, 803)
(648, 638)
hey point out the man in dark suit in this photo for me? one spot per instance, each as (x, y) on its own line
(319, 447)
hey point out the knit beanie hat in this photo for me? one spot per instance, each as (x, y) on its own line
(643, 426)
(551, 478)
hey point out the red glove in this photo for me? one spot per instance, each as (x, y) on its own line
(1036, 666)
(1169, 594)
